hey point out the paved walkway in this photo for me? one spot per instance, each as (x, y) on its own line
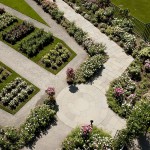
(87, 97)
(34, 73)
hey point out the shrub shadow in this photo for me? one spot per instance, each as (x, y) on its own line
(144, 142)
(96, 75)
(40, 133)
(73, 88)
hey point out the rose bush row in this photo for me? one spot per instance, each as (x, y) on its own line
(89, 67)
(56, 57)
(38, 120)
(51, 8)
(18, 32)
(34, 43)
(102, 16)
(15, 93)
(6, 20)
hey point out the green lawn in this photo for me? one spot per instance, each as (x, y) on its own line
(140, 9)
(23, 7)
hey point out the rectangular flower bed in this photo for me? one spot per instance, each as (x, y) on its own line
(56, 57)
(15, 91)
(18, 32)
(6, 20)
(35, 43)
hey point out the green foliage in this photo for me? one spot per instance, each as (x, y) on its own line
(96, 49)
(96, 140)
(134, 71)
(145, 53)
(6, 20)
(125, 24)
(4, 74)
(18, 32)
(143, 87)
(139, 120)
(34, 43)
(37, 121)
(88, 68)
(56, 56)
(124, 103)
(52, 9)
(121, 139)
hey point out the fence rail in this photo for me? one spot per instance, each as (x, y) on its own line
(140, 28)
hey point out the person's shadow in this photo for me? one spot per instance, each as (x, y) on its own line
(73, 88)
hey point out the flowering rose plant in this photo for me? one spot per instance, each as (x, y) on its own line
(119, 91)
(70, 75)
(86, 129)
(50, 92)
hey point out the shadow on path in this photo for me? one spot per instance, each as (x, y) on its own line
(73, 88)
(39, 134)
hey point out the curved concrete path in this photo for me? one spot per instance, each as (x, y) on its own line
(114, 67)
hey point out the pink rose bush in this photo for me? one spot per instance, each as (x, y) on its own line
(70, 75)
(119, 91)
(86, 129)
(50, 92)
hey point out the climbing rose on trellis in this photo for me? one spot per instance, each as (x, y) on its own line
(50, 91)
(119, 91)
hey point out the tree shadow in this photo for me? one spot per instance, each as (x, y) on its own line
(73, 88)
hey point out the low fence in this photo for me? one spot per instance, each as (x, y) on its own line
(140, 28)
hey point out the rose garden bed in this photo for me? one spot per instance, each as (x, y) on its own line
(15, 91)
(35, 43)
(4, 73)
(132, 86)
